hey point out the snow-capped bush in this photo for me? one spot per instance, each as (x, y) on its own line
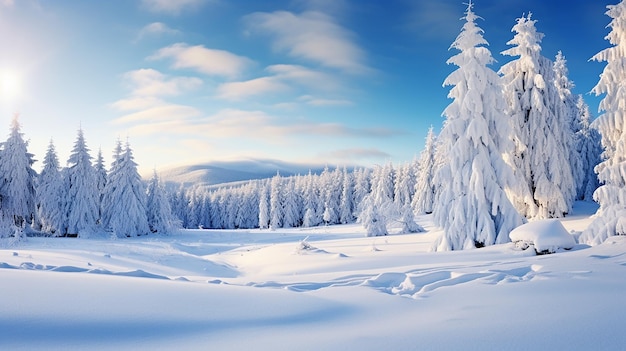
(546, 236)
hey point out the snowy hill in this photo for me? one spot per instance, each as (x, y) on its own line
(219, 172)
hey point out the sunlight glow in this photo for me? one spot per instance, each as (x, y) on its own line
(10, 85)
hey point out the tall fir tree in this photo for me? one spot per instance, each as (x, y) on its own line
(17, 186)
(611, 217)
(159, 213)
(50, 194)
(589, 146)
(276, 202)
(125, 213)
(101, 180)
(546, 185)
(424, 194)
(473, 208)
(82, 196)
(566, 109)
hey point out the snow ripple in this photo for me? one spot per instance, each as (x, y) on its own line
(73, 269)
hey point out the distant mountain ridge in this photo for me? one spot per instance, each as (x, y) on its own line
(222, 172)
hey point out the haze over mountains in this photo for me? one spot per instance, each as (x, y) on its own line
(220, 172)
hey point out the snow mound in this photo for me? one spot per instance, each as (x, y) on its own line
(547, 236)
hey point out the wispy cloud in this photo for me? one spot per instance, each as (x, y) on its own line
(249, 124)
(282, 78)
(208, 61)
(150, 82)
(313, 36)
(172, 7)
(315, 101)
(356, 154)
(164, 112)
(156, 29)
(305, 77)
(236, 91)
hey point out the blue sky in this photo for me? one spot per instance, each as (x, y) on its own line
(317, 81)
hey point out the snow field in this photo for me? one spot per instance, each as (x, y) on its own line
(265, 290)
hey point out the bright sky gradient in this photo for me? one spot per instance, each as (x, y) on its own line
(324, 81)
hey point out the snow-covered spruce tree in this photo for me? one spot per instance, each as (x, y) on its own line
(101, 178)
(81, 191)
(370, 216)
(404, 185)
(330, 191)
(566, 109)
(540, 157)
(291, 205)
(124, 211)
(264, 205)
(276, 202)
(588, 143)
(50, 194)
(424, 195)
(473, 208)
(17, 182)
(158, 210)
(611, 217)
(311, 202)
(377, 208)
(346, 207)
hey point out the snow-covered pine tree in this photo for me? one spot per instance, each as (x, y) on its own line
(82, 197)
(291, 205)
(566, 109)
(544, 174)
(124, 214)
(50, 196)
(264, 205)
(158, 210)
(276, 202)
(370, 216)
(424, 194)
(362, 185)
(404, 185)
(17, 185)
(611, 217)
(589, 146)
(101, 179)
(346, 207)
(473, 208)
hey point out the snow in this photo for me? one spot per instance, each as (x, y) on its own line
(547, 235)
(322, 288)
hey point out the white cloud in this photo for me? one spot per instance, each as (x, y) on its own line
(208, 61)
(156, 29)
(314, 101)
(136, 103)
(237, 123)
(313, 36)
(240, 90)
(172, 7)
(165, 112)
(356, 154)
(305, 77)
(150, 82)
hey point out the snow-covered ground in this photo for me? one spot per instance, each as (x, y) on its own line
(326, 288)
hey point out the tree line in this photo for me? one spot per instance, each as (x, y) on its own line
(82, 199)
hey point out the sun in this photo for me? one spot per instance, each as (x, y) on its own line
(10, 85)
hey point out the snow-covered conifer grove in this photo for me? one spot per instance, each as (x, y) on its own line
(516, 145)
